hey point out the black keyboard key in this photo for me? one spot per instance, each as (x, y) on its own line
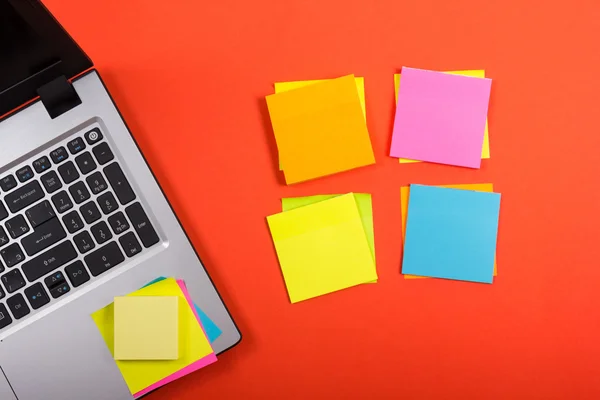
(17, 226)
(77, 274)
(3, 212)
(107, 203)
(37, 296)
(59, 155)
(130, 244)
(40, 213)
(51, 182)
(104, 258)
(90, 212)
(12, 255)
(24, 196)
(62, 202)
(85, 162)
(103, 153)
(13, 280)
(49, 261)
(8, 183)
(142, 224)
(96, 183)
(18, 306)
(101, 232)
(76, 145)
(43, 237)
(68, 172)
(93, 136)
(2, 294)
(72, 221)
(5, 319)
(84, 242)
(57, 278)
(60, 290)
(118, 223)
(24, 174)
(3, 237)
(41, 164)
(119, 183)
(79, 192)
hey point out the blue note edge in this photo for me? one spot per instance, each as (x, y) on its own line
(211, 329)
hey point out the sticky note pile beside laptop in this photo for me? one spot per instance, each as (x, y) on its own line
(450, 232)
(324, 243)
(320, 127)
(441, 117)
(157, 335)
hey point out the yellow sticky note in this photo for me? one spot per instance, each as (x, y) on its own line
(193, 344)
(146, 328)
(476, 73)
(320, 129)
(405, 194)
(281, 87)
(363, 203)
(322, 248)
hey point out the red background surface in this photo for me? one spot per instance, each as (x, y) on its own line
(190, 78)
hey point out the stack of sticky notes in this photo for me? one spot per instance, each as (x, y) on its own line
(441, 117)
(157, 335)
(320, 127)
(450, 232)
(324, 243)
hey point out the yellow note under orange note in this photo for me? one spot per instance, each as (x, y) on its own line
(476, 73)
(405, 194)
(322, 248)
(320, 129)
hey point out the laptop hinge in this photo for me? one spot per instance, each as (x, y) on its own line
(58, 96)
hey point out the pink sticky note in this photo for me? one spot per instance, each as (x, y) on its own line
(440, 117)
(203, 362)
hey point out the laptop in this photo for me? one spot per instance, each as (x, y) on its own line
(82, 218)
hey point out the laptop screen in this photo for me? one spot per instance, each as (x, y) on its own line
(24, 52)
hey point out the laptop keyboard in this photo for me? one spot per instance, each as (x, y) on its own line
(66, 218)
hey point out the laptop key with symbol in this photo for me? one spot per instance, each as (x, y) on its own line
(18, 306)
(119, 183)
(57, 278)
(3, 237)
(51, 181)
(76, 145)
(17, 226)
(62, 202)
(37, 296)
(90, 212)
(103, 153)
(49, 260)
(59, 290)
(72, 221)
(130, 244)
(43, 237)
(68, 172)
(41, 164)
(104, 258)
(142, 224)
(77, 274)
(118, 223)
(24, 196)
(13, 280)
(5, 319)
(107, 203)
(84, 242)
(39, 213)
(96, 183)
(85, 162)
(59, 155)
(8, 183)
(25, 173)
(79, 192)
(93, 136)
(12, 255)
(101, 232)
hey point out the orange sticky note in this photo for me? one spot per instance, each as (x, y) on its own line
(404, 196)
(320, 129)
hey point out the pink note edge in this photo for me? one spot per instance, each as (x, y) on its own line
(203, 362)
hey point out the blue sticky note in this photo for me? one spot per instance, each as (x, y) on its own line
(211, 329)
(451, 233)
